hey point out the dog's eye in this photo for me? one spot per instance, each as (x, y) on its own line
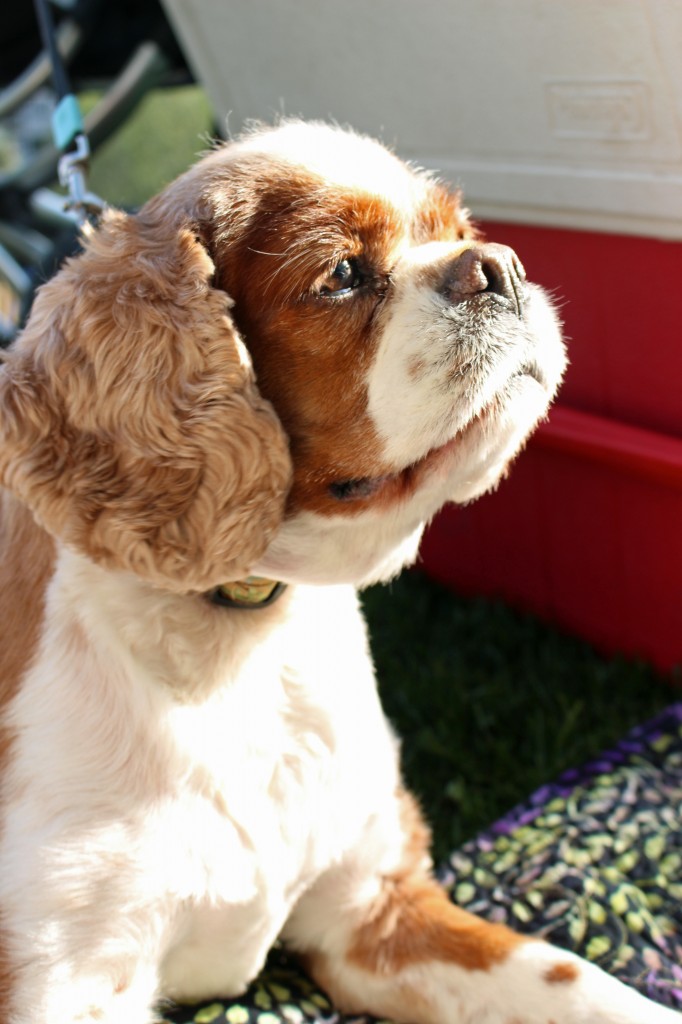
(343, 279)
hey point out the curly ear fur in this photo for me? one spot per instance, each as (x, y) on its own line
(129, 418)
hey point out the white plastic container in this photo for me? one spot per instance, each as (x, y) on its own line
(561, 112)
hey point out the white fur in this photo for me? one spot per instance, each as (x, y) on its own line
(339, 157)
(180, 824)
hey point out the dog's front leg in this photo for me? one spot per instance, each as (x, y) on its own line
(79, 946)
(393, 945)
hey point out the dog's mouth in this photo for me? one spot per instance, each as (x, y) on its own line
(406, 481)
(393, 485)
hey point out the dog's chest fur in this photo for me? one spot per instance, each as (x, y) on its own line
(211, 802)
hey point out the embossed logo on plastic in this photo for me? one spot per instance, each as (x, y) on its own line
(612, 111)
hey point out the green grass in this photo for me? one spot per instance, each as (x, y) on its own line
(490, 703)
(165, 135)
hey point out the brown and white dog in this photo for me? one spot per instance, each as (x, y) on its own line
(184, 781)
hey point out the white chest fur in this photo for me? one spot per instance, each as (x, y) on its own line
(181, 775)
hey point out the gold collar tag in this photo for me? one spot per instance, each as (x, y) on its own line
(252, 592)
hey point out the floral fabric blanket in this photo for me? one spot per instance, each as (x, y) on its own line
(592, 862)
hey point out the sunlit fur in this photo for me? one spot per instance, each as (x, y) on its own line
(183, 783)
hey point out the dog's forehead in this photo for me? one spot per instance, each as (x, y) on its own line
(341, 158)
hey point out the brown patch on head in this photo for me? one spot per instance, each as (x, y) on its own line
(312, 352)
(130, 421)
(559, 974)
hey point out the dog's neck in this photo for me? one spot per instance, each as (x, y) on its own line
(181, 641)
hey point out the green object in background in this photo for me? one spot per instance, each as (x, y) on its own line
(167, 133)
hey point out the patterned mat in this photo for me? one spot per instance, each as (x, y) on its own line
(592, 862)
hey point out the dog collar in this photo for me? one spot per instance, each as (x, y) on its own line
(254, 592)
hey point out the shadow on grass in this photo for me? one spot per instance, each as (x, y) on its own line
(491, 703)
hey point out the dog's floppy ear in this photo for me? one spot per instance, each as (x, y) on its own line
(130, 422)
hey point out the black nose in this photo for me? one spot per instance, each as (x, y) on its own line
(486, 268)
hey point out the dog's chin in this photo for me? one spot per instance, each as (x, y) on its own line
(321, 550)
(492, 440)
